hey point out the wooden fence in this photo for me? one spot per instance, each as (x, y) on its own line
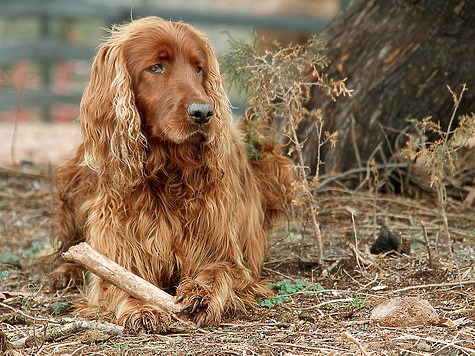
(47, 50)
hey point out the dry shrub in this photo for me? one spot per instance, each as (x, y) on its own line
(441, 157)
(278, 84)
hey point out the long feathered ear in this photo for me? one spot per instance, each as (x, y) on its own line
(114, 144)
(216, 90)
(215, 85)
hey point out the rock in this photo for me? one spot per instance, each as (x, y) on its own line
(407, 311)
(387, 242)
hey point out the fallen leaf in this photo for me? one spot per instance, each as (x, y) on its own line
(8, 295)
(445, 322)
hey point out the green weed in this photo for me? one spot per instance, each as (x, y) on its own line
(9, 258)
(121, 347)
(357, 302)
(285, 289)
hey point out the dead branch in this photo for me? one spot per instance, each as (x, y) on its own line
(86, 257)
(28, 318)
(437, 285)
(71, 326)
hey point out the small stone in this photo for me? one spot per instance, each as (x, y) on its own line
(424, 346)
(406, 311)
(58, 307)
(94, 337)
(387, 242)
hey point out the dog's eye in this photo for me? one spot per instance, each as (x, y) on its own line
(199, 70)
(157, 69)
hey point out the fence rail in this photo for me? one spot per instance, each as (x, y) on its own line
(47, 50)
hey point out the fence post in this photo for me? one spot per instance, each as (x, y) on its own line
(46, 35)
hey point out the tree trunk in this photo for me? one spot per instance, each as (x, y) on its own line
(398, 56)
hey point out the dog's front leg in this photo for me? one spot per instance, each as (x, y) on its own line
(216, 288)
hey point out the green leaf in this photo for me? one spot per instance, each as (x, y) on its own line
(8, 258)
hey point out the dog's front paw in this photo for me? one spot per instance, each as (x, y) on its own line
(144, 318)
(198, 301)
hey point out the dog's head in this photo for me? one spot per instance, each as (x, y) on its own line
(152, 81)
(171, 66)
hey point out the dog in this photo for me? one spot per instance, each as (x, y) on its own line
(162, 183)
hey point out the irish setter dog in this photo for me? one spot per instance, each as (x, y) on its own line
(162, 183)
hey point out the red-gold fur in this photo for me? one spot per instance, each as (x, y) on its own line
(177, 203)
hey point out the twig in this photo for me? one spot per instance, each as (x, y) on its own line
(422, 286)
(350, 337)
(17, 311)
(355, 146)
(41, 339)
(354, 249)
(328, 302)
(368, 169)
(18, 173)
(278, 273)
(308, 194)
(359, 257)
(437, 242)
(364, 197)
(442, 199)
(350, 172)
(304, 347)
(79, 349)
(456, 105)
(467, 350)
(371, 282)
(429, 253)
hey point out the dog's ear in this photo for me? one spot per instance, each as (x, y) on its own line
(114, 144)
(216, 89)
(215, 85)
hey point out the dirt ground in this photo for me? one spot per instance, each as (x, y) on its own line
(38, 142)
(37, 321)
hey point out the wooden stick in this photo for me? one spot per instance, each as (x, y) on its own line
(91, 260)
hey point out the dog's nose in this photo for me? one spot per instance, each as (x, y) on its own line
(200, 113)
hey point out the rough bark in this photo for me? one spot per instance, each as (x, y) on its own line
(91, 260)
(398, 56)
